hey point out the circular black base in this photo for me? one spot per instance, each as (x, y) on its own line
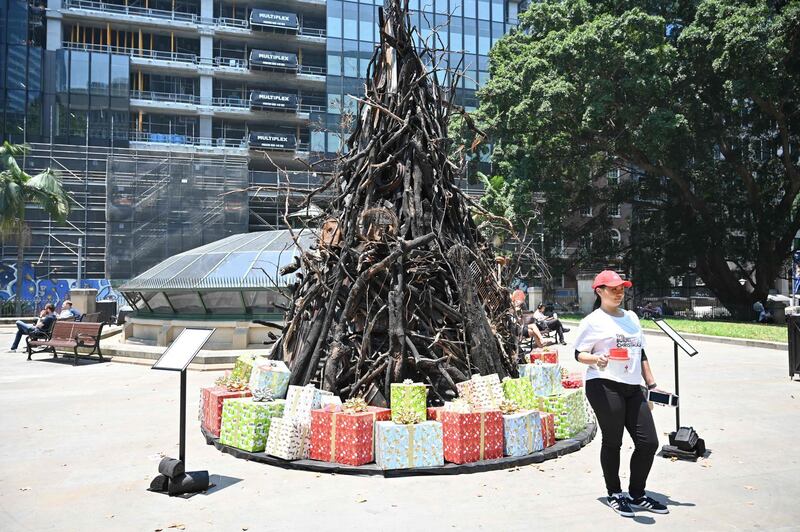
(561, 448)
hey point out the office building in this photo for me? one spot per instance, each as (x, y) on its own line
(177, 122)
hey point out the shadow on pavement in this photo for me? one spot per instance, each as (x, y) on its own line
(641, 519)
(667, 500)
(220, 482)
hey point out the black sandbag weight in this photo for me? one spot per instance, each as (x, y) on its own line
(189, 482)
(171, 467)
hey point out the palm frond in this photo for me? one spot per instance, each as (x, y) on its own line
(8, 152)
(45, 188)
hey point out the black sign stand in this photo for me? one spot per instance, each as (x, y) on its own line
(684, 442)
(177, 357)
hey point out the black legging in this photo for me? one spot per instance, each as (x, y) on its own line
(621, 406)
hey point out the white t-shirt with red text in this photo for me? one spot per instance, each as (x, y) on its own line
(599, 332)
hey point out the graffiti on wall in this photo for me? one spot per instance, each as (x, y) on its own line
(43, 291)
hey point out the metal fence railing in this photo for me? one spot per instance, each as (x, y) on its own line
(160, 14)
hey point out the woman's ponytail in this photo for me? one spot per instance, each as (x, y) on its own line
(597, 299)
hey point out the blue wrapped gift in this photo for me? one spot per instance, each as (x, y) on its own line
(399, 446)
(546, 378)
(522, 433)
(271, 375)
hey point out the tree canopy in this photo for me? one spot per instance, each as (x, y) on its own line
(698, 100)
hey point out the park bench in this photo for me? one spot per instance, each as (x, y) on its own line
(69, 335)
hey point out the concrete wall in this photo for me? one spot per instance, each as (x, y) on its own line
(228, 335)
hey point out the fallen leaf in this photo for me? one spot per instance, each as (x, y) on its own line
(751, 488)
(673, 458)
(179, 526)
(361, 500)
(110, 516)
(159, 530)
(24, 489)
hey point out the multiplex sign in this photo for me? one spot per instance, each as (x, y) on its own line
(274, 59)
(265, 17)
(273, 100)
(275, 141)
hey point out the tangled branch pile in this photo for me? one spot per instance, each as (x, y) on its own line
(401, 284)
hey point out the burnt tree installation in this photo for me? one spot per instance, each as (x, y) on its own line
(400, 285)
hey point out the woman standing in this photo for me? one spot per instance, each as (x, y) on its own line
(615, 391)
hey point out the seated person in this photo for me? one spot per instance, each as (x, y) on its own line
(528, 326)
(650, 311)
(45, 324)
(68, 312)
(764, 315)
(551, 322)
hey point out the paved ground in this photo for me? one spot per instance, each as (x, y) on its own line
(80, 445)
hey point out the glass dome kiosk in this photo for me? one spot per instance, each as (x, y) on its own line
(224, 284)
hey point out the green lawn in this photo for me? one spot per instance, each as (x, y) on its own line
(753, 331)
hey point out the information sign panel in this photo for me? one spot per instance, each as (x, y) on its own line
(185, 347)
(679, 340)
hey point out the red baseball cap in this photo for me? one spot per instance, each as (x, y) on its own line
(610, 278)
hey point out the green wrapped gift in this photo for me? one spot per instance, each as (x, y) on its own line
(569, 409)
(520, 391)
(244, 366)
(409, 399)
(245, 423)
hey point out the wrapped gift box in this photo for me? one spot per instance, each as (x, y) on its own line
(408, 398)
(569, 412)
(482, 392)
(435, 412)
(211, 401)
(331, 403)
(288, 439)
(547, 355)
(243, 366)
(399, 446)
(546, 378)
(474, 436)
(301, 400)
(520, 391)
(522, 433)
(572, 381)
(344, 437)
(245, 423)
(272, 375)
(548, 429)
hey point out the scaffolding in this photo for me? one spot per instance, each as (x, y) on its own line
(131, 208)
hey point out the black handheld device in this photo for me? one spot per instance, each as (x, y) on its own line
(662, 398)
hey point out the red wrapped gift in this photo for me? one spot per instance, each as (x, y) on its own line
(574, 380)
(547, 355)
(469, 437)
(343, 437)
(435, 413)
(548, 429)
(211, 400)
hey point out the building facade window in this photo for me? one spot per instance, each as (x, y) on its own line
(586, 211)
(614, 210)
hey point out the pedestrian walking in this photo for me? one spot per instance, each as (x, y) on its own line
(610, 341)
